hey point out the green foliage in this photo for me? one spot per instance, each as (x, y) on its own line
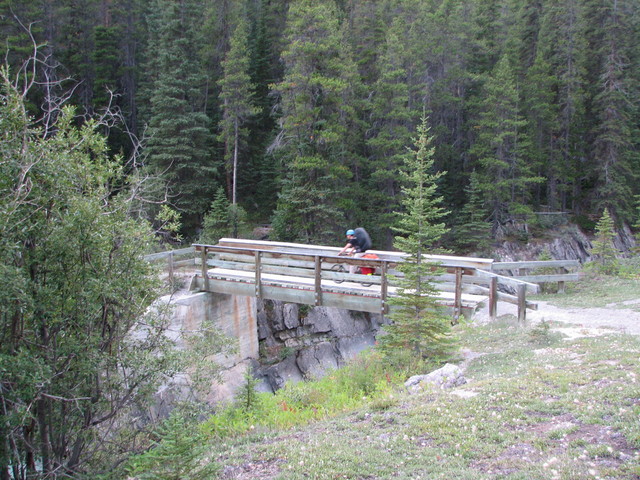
(418, 324)
(169, 222)
(502, 148)
(176, 453)
(236, 96)
(366, 378)
(179, 143)
(247, 398)
(604, 252)
(222, 220)
(80, 346)
(317, 101)
(471, 231)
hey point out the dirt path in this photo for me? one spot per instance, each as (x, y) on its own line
(579, 321)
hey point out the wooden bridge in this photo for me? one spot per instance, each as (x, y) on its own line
(316, 275)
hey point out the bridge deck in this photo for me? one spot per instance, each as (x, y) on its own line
(348, 295)
(307, 274)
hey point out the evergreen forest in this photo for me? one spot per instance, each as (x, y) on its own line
(298, 113)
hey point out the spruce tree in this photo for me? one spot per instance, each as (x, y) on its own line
(554, 96)
(471, 231)
(318, 125)
(237, 107)
(604, 250)
(392, 124)
(419, 329)
(179, 145)
(217, 221)
(614, 105)
(502, 147)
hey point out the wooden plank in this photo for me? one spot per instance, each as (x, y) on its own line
(384, 308)
(203, 264)
(318, 281)
(535, 264)
(510, 281)
(152, 257)
(290, 260)
(258, 275)
(458, 292)
(184, 263)
(453, 261)
(559, 277)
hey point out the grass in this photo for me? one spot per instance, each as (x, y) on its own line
(536, 406)
(600, 291)
(550, 409)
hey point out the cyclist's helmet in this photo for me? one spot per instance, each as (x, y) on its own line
(350, 232)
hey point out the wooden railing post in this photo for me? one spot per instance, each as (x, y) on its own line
(493, 298)
(205, 268)
(170, 265)
(258, 278)
(522, 303)
(457, 303)
(561, 284)
(383, 289)
(318, 279)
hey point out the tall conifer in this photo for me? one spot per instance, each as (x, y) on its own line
(236, 96)
(317, 125)
(179, 139)
(419, 328)
(501, 148)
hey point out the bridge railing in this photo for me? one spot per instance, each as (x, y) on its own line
(173, 260)
(541, 271)
(249, 261)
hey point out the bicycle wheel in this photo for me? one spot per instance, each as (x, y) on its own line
(340, 269)
(366, 284)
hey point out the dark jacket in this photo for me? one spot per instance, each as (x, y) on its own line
(362, 242)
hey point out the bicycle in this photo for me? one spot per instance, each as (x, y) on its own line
(338, 267)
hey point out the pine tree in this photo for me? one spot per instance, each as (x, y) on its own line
(318, 125)
(471, 231)
(236, 104)
(555, 100)
(419, 328)
(259, 180)
(392, 124)
(179, 138)
(217, 221)
(501, 149)
(614, 106)
(604, 251)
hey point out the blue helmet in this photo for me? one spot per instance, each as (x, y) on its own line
(350, 232)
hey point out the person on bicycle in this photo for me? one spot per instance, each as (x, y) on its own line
(358, 242)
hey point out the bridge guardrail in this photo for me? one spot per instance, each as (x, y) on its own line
(541, 271)
(461, 274)
(170, 257)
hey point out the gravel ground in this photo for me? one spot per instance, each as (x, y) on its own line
(579, 321)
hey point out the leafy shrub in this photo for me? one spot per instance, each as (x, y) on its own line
(365, 378)
(176, 454)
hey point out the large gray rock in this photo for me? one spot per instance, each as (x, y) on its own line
(448, 376)
(318, 338)
(314, 361)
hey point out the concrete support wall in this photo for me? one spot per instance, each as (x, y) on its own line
(233, 315)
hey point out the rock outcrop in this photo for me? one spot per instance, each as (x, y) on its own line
(297, 341)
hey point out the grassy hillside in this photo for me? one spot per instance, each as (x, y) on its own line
(536, 406)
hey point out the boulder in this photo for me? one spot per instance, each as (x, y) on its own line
(448, 376)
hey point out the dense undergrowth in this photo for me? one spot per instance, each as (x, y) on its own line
(536, 406)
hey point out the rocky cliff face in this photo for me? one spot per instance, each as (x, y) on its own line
(567, 242)
(298, 342)
(564, 242)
